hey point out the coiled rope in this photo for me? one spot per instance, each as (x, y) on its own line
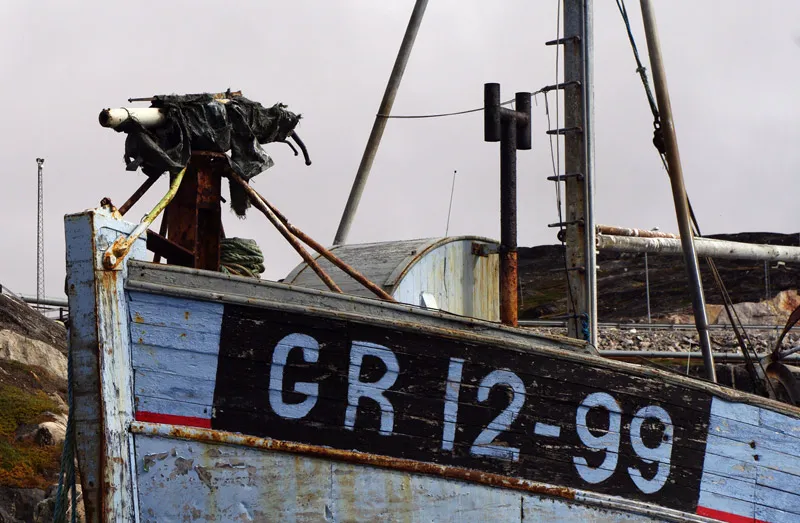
(241, 257)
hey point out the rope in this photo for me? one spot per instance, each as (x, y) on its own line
(66, 478)
(585, 327)
(241, 257)
(640, 68)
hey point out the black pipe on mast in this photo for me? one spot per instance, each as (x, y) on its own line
(512, 128)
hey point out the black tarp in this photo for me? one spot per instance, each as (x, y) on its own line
(198, 122)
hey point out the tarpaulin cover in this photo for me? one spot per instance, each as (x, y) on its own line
(198, 122)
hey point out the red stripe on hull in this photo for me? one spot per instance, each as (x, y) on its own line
(171, 419)
(726, 516)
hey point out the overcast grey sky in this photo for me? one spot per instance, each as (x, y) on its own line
(732, 68)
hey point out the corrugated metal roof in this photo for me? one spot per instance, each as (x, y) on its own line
(384, 263)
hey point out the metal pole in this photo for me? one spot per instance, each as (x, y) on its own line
(678, 188)
(40, 234)
(647, 279)
(380, 122)
(588, 186)
(450, 208)
(508, 223)
(647, 286)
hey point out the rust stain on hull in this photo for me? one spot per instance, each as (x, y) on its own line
(350, 456)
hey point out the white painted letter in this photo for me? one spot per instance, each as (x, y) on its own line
(452, 388)
(357, 389)
(310, 354)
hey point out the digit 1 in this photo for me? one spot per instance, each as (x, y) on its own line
(608, 442)
(452, 389)
(662, 453)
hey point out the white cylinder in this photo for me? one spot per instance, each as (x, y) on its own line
(707, 247)
(147, 116)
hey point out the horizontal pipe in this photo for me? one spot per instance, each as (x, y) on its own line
(628, 231)
(706, 248)
(147, 116)
(53, 302)
(649, 326)
(719, 357)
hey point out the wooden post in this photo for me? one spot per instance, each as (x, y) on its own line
(578, 158)
(194, 217)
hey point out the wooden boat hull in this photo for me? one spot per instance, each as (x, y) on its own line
(204, 395)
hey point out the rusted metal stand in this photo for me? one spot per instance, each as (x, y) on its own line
(194, 217)
(512, 128)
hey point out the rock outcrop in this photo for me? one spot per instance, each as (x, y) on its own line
(33, 411)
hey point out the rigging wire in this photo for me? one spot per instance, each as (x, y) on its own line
(437, 115)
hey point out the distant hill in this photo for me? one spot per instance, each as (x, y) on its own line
(621, 280)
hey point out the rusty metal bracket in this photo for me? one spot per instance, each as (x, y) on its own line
(484, 249)
(122, 245)
(136, 196)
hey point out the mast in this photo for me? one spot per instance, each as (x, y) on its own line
(380, 122)
(678, 187)
(578, 177)
(40, 235)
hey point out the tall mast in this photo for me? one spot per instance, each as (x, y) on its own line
(678, 187)
(40, 235)
(578, 177)
(380, 122)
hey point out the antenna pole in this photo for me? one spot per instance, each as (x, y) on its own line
(380, 122)
(678, 187)
(449, 209)
(40, 237)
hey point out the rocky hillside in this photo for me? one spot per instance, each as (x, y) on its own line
(621, 281)
(33, 411)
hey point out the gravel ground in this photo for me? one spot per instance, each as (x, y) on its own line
(678, 340)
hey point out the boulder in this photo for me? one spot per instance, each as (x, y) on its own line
(19, 504)
(30, 351)
(45, 510)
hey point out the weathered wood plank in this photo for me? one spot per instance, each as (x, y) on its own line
(173, 387)
(175, 338)
(178, 313)
(172, 407)
(721, 507)
(197, 365)
(757, 437)
(779, 422)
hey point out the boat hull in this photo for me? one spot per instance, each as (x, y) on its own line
(210, 396)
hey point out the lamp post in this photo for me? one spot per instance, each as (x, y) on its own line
(647, 281)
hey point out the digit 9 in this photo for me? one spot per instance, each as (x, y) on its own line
(609, 442)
